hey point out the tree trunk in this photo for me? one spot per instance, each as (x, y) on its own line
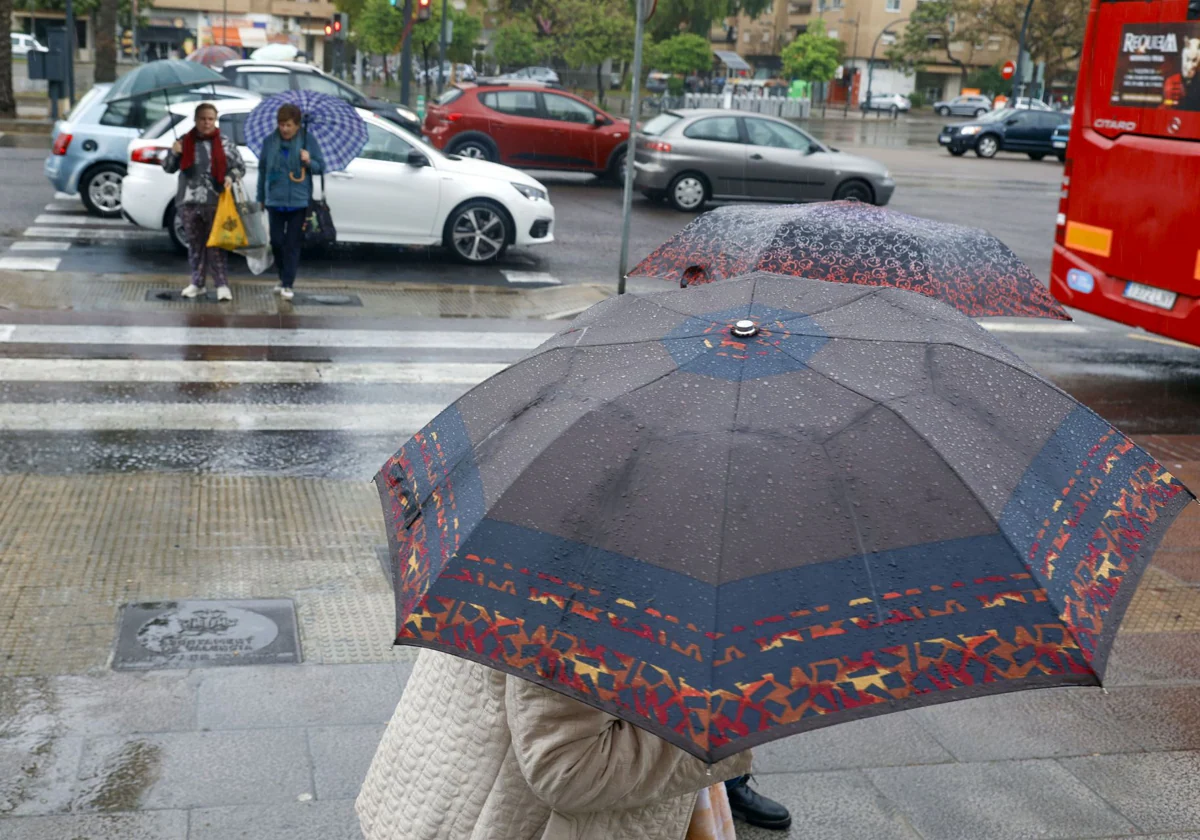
(600, 84)
(106, 41)
(8, 103)
(387, 75)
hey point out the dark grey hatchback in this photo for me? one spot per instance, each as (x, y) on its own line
(1008, 130)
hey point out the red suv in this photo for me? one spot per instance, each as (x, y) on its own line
(528, 125)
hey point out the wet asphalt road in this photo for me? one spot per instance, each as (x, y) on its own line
(1142, 383)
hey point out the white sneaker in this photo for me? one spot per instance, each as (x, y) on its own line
(286, 294)
(192, 291)
(224, 293)
(278, 290)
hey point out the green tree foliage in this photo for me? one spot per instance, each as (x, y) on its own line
(599, 30)
(933, 27)
(988, 80)
(378, 29)
(698, 16)
(1055, 34)
(684, 53)
(426, 41)
(812, 56)
(514, 45)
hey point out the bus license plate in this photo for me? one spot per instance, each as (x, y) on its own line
(1148, 294)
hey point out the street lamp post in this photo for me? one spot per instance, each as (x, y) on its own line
(850, 80)
(871, 60)
(1016, 91)
(441, 52)
(635, 106)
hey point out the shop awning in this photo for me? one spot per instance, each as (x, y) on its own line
(240, 36)
(731, 60)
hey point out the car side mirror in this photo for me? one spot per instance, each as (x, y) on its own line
(601, 121)
(1011, 121)
(811, 150)
(416, 158)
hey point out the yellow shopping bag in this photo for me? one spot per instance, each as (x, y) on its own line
(228, 232)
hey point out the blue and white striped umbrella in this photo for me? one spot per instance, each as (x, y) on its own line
(334, 123)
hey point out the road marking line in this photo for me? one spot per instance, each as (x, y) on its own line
(243, 372)
(62, 196)
(39, 245)
(256, 337)
(521, 277)
(29, 263)
(66, 219)
(1032, 327)
(60, 207)
(6, 330)
(399, 419)
(89, 233)
(1158, 339)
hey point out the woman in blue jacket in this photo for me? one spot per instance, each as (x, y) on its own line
(285, 187)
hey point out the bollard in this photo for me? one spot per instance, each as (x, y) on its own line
(421, 107)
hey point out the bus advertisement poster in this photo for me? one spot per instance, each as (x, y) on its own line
(1158, 66)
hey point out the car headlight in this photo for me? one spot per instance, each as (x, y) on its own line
(532, 193)
(971, 129)
(411, 116)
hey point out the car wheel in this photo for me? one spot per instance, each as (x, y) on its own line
(987, 146)
(100, 190)
(474, 147)
(688, 192)
(477, 233)
(979, 112)
(943, 111)
(958, 152)
(616, 169)
(175, 230)
(1036, 155)
(854, 190)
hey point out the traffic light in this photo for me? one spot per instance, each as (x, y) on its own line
(341, 25)
(424, 9)
(329, 29)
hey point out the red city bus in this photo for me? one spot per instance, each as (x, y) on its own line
(1127, 243)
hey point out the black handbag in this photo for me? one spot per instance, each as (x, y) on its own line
(318, 221)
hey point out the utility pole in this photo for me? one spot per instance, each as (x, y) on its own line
(635, 105)
(871, 60)
(406, 54)
(1021, 55)
(850, 80)
(72, 49)
(442, 47)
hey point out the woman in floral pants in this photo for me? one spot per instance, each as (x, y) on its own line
(207, 163)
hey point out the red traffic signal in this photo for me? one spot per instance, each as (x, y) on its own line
(329, 30)
(337, 25)
(424, 9)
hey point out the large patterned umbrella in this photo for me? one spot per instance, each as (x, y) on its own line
(732, 513)
(334, 122)
(849, 242)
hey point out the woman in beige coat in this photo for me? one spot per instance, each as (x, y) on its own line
(473, 754)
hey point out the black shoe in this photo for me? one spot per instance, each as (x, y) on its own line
(750, 806)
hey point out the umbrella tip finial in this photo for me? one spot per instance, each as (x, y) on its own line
(745, 329)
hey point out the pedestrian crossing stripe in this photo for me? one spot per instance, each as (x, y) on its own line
(30, 263)
(80, 219)
(401, 419)
(39, 245)
(241, 372)
(115, 234)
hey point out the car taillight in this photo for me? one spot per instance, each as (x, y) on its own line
(455, 117)
(61, 143)
(149, 154)
(1060, 223)
(657, 146)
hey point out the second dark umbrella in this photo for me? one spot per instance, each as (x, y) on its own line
(849, 242)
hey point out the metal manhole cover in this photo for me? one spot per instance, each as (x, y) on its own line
(205, 634)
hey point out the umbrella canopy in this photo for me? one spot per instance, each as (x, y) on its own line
(276, 52)
(163, 76)
(855, 502)
(850, 242)
(334, 122)
(214, 56)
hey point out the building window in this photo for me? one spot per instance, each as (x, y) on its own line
(766, 39)
(892, 5)
(993, 44)
(888, 39)
(832, 33)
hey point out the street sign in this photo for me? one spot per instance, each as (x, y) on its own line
(1008, 69)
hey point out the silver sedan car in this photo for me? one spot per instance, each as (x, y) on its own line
(691, 157)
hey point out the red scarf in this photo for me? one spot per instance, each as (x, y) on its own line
(188, 159)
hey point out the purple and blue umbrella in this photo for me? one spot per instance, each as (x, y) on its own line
(334, 123)
(762, 506)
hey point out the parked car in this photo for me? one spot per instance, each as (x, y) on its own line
(1059, 139)
(1008, 130)
(24, 44)
(88, 148)
(690, 157)
(461, 72)
(891, 102)
(268, 77)
(656, 82)
(1028, 103)
(963, 106)
(533, 74)
(398, 191)
(529, 125)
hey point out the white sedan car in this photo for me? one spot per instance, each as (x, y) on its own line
(398, 191)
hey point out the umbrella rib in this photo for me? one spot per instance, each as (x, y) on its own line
(941, 457)
(862, 549)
